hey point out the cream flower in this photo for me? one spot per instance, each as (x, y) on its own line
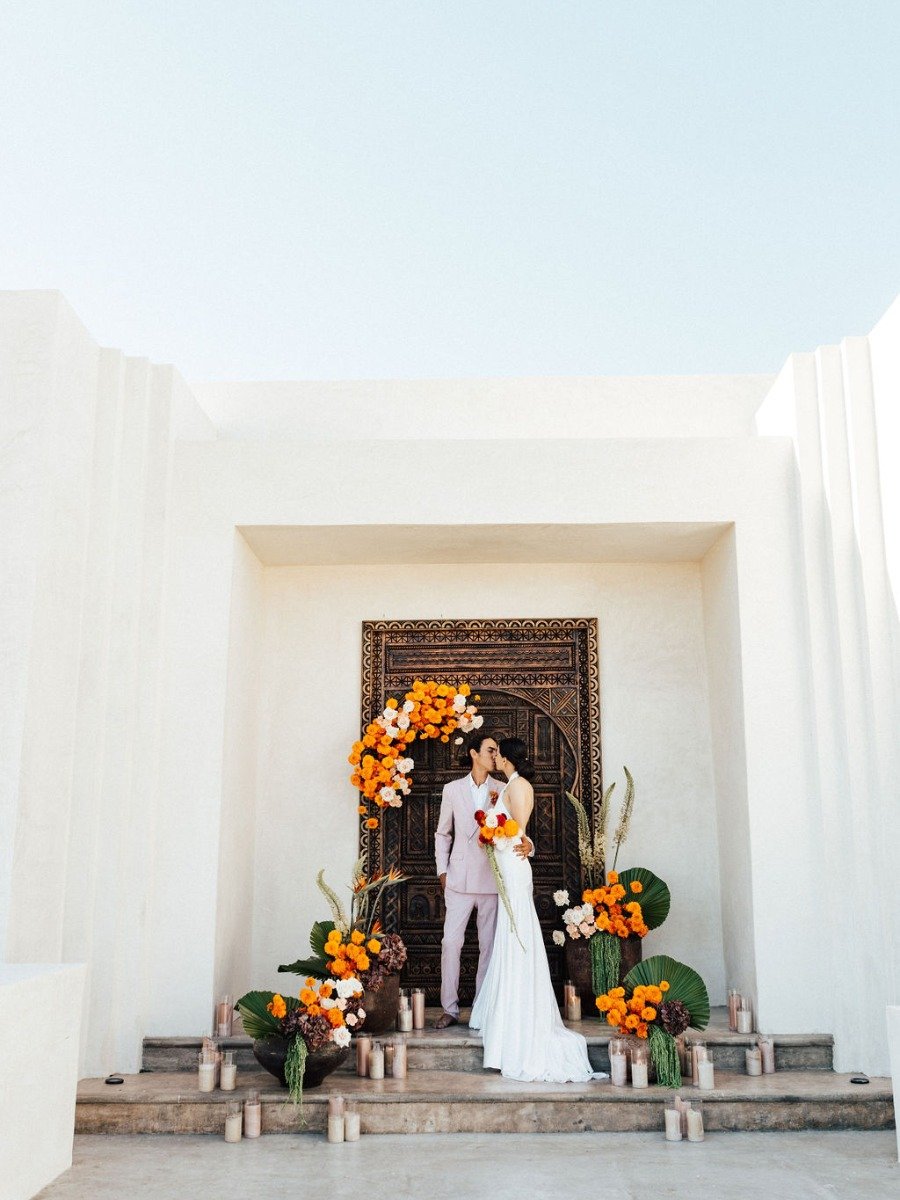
(586, 930)
(572, 931)
(341, 1036)
(559, 937)
(561, 897)
(350, 1019)
(388, 795)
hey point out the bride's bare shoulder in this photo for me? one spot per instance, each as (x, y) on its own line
(520, 787)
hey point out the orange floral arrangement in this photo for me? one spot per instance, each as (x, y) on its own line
(380, 760)
(611, 915)
(633, 1016)
(350, 957)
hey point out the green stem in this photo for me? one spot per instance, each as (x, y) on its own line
(664, 1053)
(501, 889)
(606, 959)
(294, 1070)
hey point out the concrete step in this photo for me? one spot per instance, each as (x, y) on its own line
(462, 1102)
(458, 1049)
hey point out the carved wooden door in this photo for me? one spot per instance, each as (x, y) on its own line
(537, 681)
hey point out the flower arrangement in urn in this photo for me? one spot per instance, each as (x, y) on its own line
(659, 999)
(617, 908)
(353, 945)
(303, 1036)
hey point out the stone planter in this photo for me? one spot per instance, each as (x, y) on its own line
(578, 967)
(271, 1052)
(381, 1006)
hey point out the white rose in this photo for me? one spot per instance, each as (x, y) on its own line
(570, 915)
(350, 1019)
(561, 897)
(587, 912)
(328, 1003)
(559, 937)
(403, 722)
(388, 795)
(362, 1014)
(341, 1037)
(389, 714)
(408, 706)
(459, 702)
(477, 722)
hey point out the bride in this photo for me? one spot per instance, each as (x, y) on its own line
(516, 1008)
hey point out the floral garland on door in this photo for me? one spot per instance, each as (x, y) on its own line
(380, 759)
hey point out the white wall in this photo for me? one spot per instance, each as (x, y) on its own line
(654, 712)
(39, 1077)
(236, 898)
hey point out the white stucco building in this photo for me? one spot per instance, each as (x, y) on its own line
(185, 570)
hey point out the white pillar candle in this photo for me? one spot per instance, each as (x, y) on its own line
(376, 1062)
(207, 1076)
(639, 1075)
(363, 1050)
(694, 1125)
(418, 1008)
(734, 1003)
(228, 1077)
(252, 1115)
(673, 1124)
(753, 1059)
(698, 1054)
(233, 1123)
(618, 1068)
(573, 1013)
(335, 1127)
(400, 1060)
(745, 1020)
(351, 1125)
(767, 1053)
(706, 1070)
(405, 1020)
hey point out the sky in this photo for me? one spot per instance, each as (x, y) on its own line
(403, 190)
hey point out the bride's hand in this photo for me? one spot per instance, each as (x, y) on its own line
(525, 847)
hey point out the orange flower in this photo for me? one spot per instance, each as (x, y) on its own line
(373, 947)
(372, 823)
(612, 877)
(277, 1006)
(636, 886)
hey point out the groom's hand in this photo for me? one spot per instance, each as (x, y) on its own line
(524, 847)
(443, 879)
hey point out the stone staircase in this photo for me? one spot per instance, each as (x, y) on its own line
(448, 1092)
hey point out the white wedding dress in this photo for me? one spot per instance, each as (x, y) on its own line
(516, 1008)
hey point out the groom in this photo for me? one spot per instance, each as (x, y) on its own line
(464, 870)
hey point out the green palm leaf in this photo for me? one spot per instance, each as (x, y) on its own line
(654, 899)
(258, 1021)
(317, 967)
(684, 984)
(318, 936)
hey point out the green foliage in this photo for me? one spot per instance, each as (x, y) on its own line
(258, 1021)
(316, 966)
(684, 985)
(664, 1053)
(655, 898)
(318, 936)
(606, 959)
(295, 1069)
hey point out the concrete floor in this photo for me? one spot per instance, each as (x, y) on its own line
(742, 1166)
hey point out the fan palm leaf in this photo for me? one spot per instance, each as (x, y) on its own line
(257, 1020)
(654, 897)
(684, 984)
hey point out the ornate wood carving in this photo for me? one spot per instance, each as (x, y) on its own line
(538, 680)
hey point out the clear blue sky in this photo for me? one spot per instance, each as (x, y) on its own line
(401, 189)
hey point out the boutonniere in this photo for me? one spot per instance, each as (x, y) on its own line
(493, 797)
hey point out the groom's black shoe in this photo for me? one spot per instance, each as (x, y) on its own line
(445, 1020)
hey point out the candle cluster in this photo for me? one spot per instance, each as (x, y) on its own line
(343, 1120)
(683, 1120)
(243, 1120)
(377, 1060)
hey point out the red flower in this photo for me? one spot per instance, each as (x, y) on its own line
(494, 797)
(501, 819)
(479, 817)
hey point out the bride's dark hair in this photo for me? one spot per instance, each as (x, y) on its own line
(516, 751)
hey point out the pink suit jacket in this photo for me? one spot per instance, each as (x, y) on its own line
(457, 849)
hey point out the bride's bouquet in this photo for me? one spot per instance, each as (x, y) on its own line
(498, 832)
